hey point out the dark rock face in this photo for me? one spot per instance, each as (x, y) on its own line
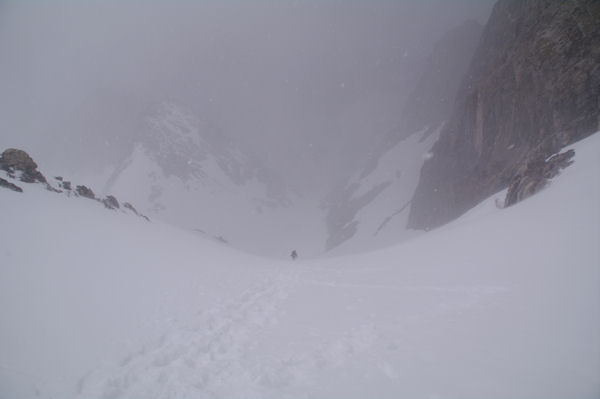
(535, 175)
(430, 103)
(13, 160)
(10, 186)
(111, 202)
(127, 205)
(532, 88)
(83, 191)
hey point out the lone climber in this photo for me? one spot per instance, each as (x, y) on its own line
(294, 254)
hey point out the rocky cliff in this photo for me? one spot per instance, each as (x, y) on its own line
(533, 87)
(370, 209)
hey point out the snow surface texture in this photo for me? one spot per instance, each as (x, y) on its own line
(502, 303)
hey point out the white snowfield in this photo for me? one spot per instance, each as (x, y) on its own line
(502, 303)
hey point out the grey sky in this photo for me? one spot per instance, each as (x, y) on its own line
(306, 84)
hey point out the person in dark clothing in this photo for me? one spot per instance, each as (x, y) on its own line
(294, 254)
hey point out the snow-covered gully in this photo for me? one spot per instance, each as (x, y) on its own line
(490, 305)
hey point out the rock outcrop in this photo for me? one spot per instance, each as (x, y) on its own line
(15, 161)
(535, 175)
(17, 164)
(85, 192)
(10, 186)
(63, 184)
(127, 205)
(111, 202)
(532, 88)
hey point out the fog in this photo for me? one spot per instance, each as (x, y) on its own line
(225, 187)
(306, 85)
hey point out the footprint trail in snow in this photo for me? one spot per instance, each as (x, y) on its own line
(207, 358)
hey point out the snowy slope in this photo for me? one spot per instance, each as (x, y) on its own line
(502, 303)
(188, 173)
(80, 284)
(371, 210)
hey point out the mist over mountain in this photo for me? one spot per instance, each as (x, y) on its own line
(370, 209)
(296, 90)
(432, 100)
(299, 199)
(304, 84)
